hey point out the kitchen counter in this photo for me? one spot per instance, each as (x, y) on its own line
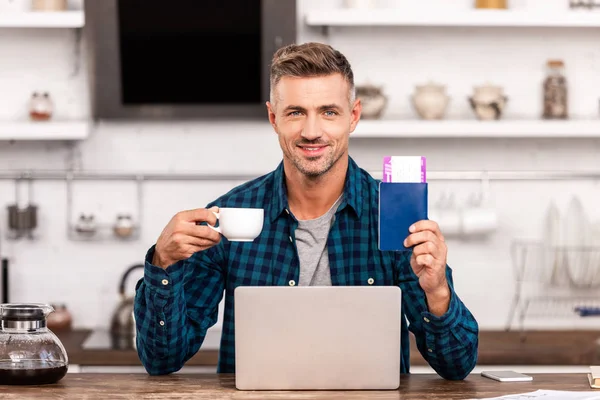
(74, 340)
(222, 386)
(495, 348)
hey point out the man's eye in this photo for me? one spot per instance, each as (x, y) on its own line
(294, 113)
(330, 113)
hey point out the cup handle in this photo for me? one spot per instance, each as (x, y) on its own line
(216, 229)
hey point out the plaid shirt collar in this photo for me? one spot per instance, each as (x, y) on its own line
(352, 191)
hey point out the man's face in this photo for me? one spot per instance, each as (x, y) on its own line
(313, 119)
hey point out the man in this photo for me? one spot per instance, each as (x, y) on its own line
(320, 228)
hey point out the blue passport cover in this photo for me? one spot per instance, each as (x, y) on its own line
(400, 206)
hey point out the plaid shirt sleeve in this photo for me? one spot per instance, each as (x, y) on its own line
(174, 308)
(448, 343)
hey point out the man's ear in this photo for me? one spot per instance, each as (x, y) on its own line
(355, 114)
(272, 116)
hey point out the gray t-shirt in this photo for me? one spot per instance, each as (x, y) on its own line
(311, 241)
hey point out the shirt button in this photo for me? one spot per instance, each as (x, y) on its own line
(425, 319)
(287, 211)
(292, 283)
(162, 323)
(429, 350)
(165, 282)
(291, 240)
(370, 281)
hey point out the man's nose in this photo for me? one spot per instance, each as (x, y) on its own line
(312, 129)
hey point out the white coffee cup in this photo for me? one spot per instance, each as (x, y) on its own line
(239, 224)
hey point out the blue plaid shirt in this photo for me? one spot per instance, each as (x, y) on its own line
(175, 307)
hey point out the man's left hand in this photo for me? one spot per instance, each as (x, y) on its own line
(428, 262)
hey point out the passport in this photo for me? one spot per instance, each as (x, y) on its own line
(401, 204)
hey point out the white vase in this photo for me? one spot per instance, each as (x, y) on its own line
(373, 101)
(430, 101)
(488, 102)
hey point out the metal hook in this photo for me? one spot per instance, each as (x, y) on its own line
(17, 193)
(69, 187)
(29, 190)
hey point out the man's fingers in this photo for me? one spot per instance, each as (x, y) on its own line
(199, 232)
(200, 215)
(420, 237)
(425, 260)
(428, 248)
(206, 233)
(425, 248)
(427, 225)
(202, 242)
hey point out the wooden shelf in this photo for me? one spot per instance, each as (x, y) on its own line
(465, 18)
(42, 19)
(44, 130)
(378, 129)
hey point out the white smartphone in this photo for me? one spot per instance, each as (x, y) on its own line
(506, 376)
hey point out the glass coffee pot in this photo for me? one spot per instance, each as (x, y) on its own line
(30, 354)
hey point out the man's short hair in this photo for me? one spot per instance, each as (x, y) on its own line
(310, 60)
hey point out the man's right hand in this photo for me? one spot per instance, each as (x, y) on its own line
(182, 237)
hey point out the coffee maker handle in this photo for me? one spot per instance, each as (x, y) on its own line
(124, 278)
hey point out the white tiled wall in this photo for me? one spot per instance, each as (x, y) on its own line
(86, 275)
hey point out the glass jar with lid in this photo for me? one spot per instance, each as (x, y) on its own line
(555, 91)
(30, 353)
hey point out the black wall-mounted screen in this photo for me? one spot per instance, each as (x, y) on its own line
(198, 59)
(190, 51)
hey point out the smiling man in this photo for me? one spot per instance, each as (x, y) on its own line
(320, 228)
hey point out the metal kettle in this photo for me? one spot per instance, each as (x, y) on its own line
(123, 322)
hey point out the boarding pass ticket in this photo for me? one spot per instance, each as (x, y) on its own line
(404, 169)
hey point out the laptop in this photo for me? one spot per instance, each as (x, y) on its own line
(317, 337)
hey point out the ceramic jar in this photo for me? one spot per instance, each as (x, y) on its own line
(430, 101)
(86, 225)
(61, 319)
(41, 106)
(488, 102)
(123, 226)
(373, 101)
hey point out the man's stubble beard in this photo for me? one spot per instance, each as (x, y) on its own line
(299, 162)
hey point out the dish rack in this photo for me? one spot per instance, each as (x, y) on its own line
(554, 281)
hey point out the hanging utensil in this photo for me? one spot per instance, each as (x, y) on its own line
(22, 216)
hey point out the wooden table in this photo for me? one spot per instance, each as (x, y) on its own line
(222, 386)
